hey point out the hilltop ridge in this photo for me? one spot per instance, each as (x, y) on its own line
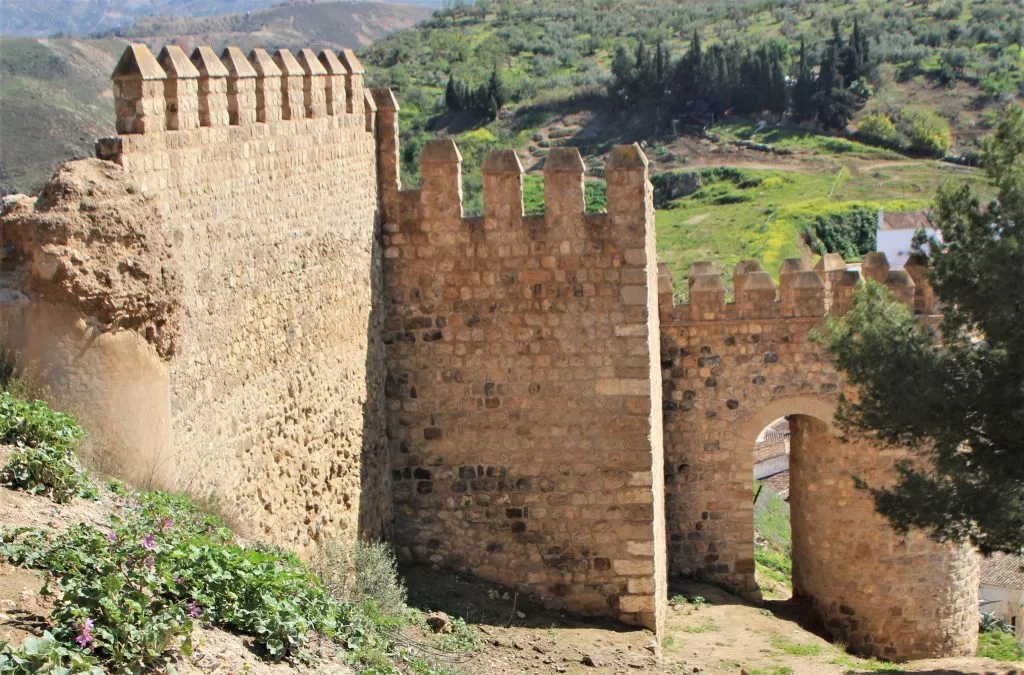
(79, 18)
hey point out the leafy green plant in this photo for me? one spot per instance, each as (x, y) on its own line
(462, 638)
(34, 423)
(45, 460)
(990, 622)
(129, 594)
(692, 601)
(45, 654)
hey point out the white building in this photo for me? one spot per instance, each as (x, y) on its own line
(895, 232)
(1002, 590)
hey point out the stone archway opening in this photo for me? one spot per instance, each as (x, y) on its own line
(793, 499)
(773, 538)
(777, 441)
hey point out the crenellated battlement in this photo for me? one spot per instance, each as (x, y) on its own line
(434, 214)
(802, 292)
(176, 92)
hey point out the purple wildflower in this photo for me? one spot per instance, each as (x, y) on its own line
(168, 524)
(85, 638)
(111, 536)
(149, 562)
(177, 580)
(194, 610)
(148, 542)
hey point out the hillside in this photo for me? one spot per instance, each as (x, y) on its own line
(56, 97)
(960, 57)
(934, 77)
(328, 25)
(42, 18)
(56, 101)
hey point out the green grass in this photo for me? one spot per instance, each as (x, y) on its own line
(795, 648)
(1001, 646)
(772, 523)
(706, 626)
(798, 140)
(773, 549)
(770, 670)
(855, 665)
(760, 214)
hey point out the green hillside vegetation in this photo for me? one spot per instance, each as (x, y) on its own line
(773, 544)
(559, 52)
(56, 101)
(765, 214)
(923, 79)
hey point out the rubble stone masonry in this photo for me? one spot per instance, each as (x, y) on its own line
(730, 370)
(522, 393)
(242, 303)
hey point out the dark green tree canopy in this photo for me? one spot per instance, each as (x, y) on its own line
(955, 396)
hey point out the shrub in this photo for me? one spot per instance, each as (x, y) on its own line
(361, 572)
(851, 233)
(878, 128)
(927, 131)
(45, 460)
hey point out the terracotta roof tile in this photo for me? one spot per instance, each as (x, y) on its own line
(905, 220)
(1003, 570)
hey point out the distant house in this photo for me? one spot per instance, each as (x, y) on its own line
(771, 457)
(895, 233)
(1002, 590)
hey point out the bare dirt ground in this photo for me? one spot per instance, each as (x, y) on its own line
(727, 635)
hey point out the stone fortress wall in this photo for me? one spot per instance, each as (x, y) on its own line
(243, 303)
(729, 370)
(523, 393)
(268, 381)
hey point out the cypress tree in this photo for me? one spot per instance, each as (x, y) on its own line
(779, 97)
(804, 91)
(452, 100)
(496, 88)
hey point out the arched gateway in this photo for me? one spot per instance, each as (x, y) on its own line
(731, 369)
